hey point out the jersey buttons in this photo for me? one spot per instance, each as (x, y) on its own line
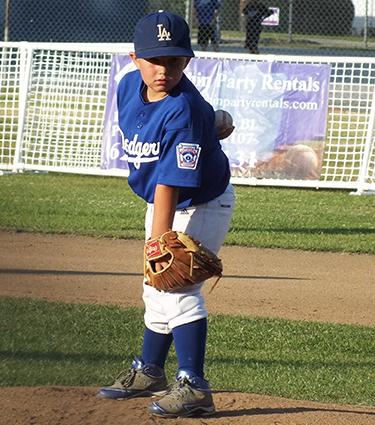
(140, 121)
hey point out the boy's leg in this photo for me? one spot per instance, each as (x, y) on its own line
(155, 347)
(191, 395)
(146, 375)
(190, 344)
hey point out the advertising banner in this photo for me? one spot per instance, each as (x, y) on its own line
(274, 19)
(279, 112)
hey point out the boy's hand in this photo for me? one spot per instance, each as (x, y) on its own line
(160, 265)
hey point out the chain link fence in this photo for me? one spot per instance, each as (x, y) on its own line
(295, 27)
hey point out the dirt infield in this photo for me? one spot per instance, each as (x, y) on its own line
(322, 287)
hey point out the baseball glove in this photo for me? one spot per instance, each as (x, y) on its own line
(189, 262)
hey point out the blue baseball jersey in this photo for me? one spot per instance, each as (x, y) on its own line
(172, 142)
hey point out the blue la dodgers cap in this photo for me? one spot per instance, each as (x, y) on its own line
(162, 34)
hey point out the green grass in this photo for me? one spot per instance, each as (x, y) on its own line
(304, 219)
(45, 343)
(48, 343)
(70, 204)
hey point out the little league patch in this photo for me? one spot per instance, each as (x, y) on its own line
(188, 155)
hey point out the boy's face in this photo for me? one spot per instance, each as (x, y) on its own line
(160, 74)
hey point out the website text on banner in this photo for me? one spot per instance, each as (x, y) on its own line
(279, 111)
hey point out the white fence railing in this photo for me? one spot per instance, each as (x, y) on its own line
(53, 97)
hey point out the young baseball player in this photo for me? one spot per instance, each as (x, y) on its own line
(178, 167)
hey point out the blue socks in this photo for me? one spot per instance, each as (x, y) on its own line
(155, 347)
(189, 341)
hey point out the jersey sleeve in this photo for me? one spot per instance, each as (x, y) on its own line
(183, 145)
(180, 160)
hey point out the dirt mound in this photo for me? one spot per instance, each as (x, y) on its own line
(270, 283)
(72, 405)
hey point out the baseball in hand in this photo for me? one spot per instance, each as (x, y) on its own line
(223, 123)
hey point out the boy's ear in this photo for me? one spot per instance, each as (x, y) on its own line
(133, 57)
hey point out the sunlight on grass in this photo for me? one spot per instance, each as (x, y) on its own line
(53, 343)
(263, 217)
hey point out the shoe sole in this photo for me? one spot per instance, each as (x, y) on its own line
(134, 395)
(198, 412)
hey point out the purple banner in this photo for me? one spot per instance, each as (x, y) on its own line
(279, 111)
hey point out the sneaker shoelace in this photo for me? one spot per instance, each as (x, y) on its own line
(126, 378)
(179, 388)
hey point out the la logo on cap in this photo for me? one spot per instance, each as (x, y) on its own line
(163, 35)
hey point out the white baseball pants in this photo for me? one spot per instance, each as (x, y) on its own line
(208, 223)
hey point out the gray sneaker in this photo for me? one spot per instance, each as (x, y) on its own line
(140, 381)
(189, 396)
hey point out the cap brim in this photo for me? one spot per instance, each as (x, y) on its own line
(164, 51)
